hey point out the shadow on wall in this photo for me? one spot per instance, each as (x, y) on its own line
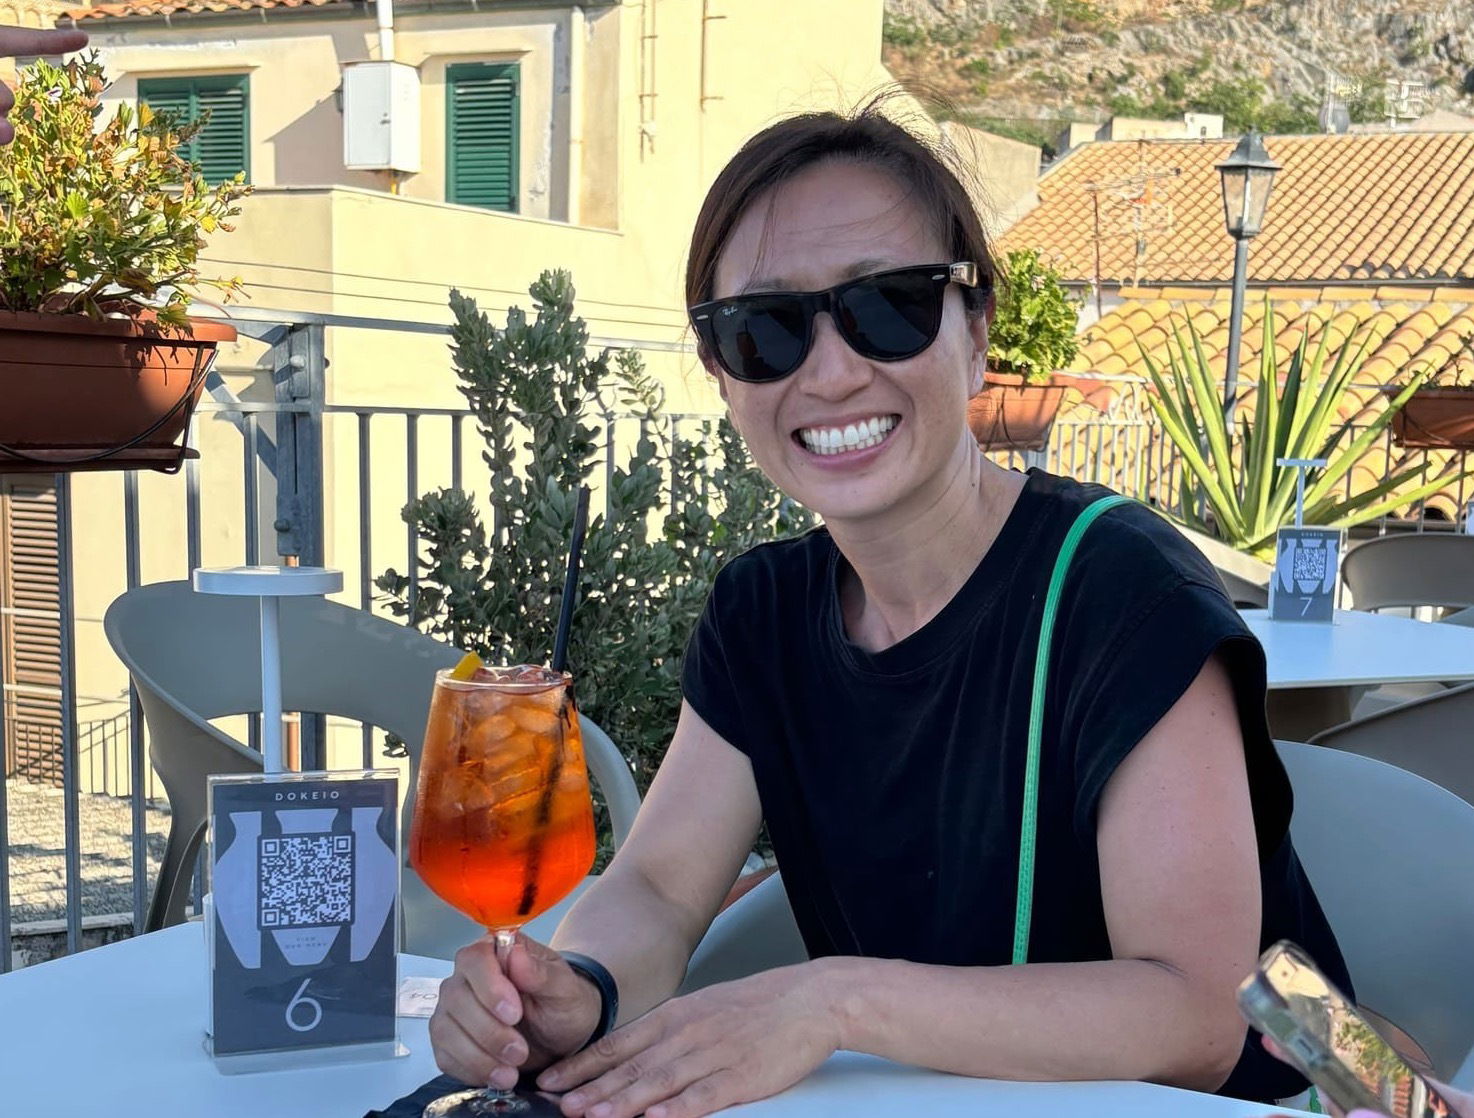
(309, 152)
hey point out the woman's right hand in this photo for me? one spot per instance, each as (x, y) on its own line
(496, 1017)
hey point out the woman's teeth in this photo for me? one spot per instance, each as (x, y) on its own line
(854, 436)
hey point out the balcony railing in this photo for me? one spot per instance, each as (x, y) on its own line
(269, 454)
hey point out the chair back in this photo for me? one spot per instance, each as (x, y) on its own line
(1422, 569)
(196, 657)
(1391, 857)
(1432, 736)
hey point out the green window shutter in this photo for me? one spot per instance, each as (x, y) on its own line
(482, 129)
(223, 149)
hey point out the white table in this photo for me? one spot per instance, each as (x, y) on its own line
(123, 1024)
(1360, 649)
(1318, 671)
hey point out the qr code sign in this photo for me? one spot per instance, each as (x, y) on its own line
(1310, 564)
(306, 881)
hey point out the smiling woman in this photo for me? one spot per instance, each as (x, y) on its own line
(18, 42)
(985, 885)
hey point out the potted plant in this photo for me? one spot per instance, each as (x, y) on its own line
(1031, 337)
(1234, 489)
(100, 234)
(1440, 413)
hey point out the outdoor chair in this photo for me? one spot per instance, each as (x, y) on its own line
(1431, 736)
(756, 933)
(196, 657)
(1411, 571)
(1391, 857)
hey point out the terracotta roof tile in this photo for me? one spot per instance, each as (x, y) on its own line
(152, 9)
(1380, 206)
(1404, 334)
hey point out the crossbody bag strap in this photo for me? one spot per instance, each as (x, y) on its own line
(1024, 910)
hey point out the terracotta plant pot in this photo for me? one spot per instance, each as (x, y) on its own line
(1437, 418)
(113, 395)
(1011, 415)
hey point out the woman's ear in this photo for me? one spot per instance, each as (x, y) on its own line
(978, 327)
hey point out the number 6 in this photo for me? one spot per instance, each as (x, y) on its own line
(298, 999)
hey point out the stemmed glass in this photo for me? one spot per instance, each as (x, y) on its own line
(503, 824)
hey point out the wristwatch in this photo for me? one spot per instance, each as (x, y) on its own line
(597, 973)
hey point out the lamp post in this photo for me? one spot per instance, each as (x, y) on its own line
(1247, 176)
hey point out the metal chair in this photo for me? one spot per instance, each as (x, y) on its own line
(756, 933)
(1391, 857)
(1410, 571)
(1432, 736)
(196, 657)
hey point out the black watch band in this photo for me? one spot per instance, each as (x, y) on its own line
(597, 973)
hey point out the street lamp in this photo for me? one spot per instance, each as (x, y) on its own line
(1247, 176)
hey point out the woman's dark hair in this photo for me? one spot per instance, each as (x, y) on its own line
(782, 150)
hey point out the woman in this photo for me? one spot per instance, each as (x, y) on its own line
(865, 688)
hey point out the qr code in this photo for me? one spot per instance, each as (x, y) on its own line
(306, 881)
(1310, 564)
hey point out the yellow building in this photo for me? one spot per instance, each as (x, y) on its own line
(491, 139)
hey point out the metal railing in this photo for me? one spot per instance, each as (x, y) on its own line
(280, 464)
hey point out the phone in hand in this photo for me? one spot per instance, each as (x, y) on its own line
(1320, 1032)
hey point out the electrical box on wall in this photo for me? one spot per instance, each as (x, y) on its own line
(381, 117)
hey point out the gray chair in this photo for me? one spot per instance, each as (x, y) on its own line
(756, 933)
(1410, 571)
(1432, 736)
(1391, 857)
(196, 657)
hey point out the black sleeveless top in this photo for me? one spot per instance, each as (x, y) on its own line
(891, 781)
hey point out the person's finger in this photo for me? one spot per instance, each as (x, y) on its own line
(706, 1096)
(478, 964)
(499, 1041)
(457, 1053)
(535, 968)
(651, 1077)
(607, 1052)
(25, 41)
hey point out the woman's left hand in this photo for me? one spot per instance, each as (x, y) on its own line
(717, 1047)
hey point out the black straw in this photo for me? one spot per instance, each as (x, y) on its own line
(570, 580)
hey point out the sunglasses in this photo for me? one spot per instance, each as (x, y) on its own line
(887, 316)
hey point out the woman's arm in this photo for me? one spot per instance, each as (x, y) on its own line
(1180, 879)
(650, 908)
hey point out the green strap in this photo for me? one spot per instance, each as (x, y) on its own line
(1024, 911)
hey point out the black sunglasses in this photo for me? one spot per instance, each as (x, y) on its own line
(887, 316)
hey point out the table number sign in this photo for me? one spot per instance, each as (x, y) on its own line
(1303, 587)
(303, 924)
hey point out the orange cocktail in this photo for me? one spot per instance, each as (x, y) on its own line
(503, 824)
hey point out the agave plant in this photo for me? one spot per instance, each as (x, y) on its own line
(1239, 482)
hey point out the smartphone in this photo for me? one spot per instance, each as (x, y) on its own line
(1320, 1033)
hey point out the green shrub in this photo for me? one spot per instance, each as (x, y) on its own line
(495, 586)
(1033, 329)
(898, 31)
